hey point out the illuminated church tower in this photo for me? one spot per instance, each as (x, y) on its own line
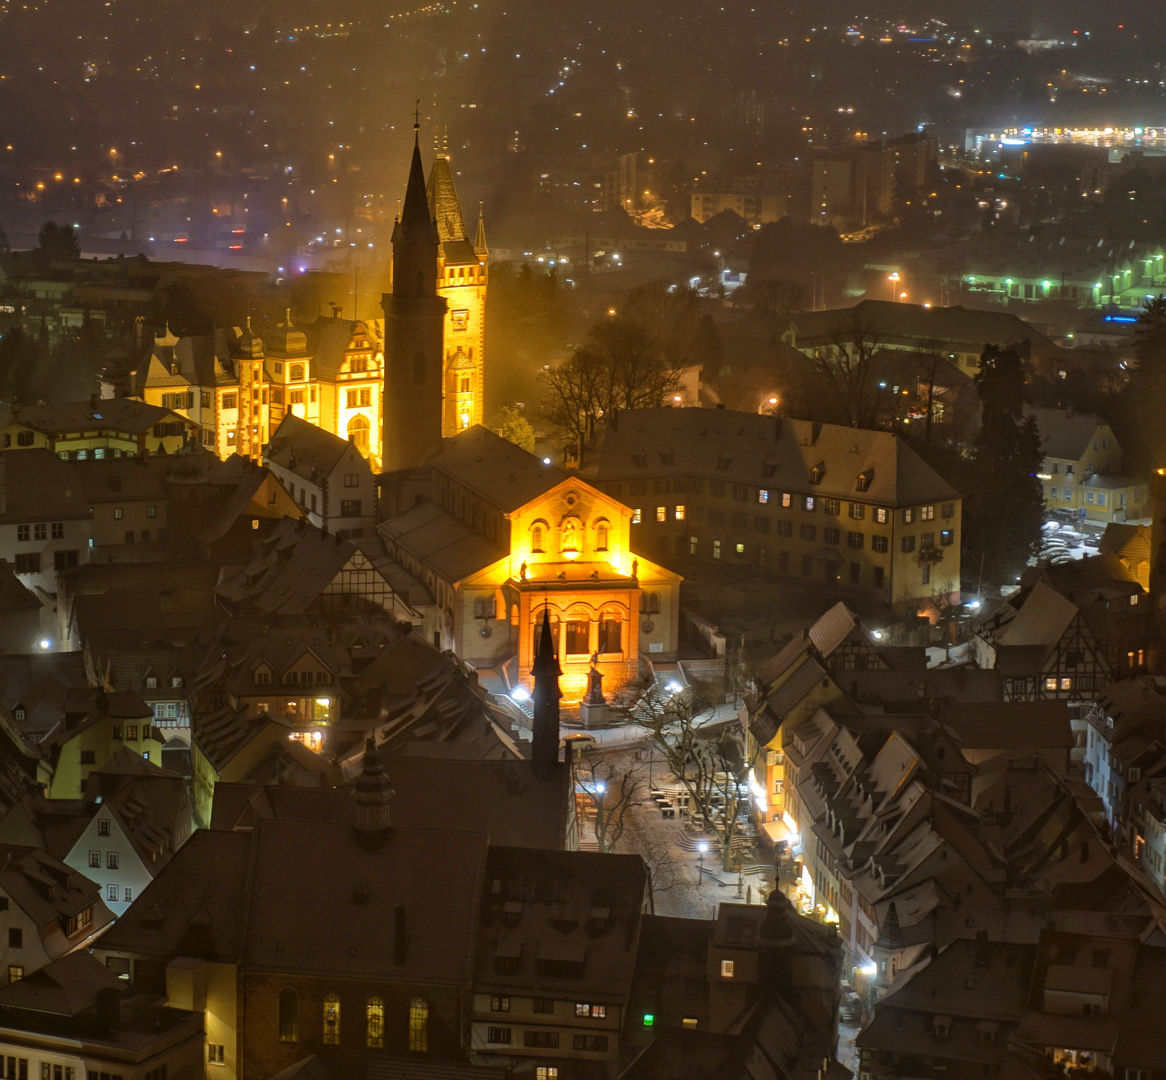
(414, 325)
(461, 280)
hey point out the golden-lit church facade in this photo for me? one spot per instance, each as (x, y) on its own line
(502, 537)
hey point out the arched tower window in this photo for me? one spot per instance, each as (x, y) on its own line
(297, 373)
(537, 539)
(419, 1025)
(358, 433)
(374, 1023)
(331, 1020)
(289, 1016)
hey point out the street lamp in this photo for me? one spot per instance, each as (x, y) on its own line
(702, 848)
(894, 280)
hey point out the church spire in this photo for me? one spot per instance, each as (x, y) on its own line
(480, 237)
(415, 236)
(545, 727)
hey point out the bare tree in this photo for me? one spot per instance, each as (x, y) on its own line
(612, 795)
(846, 367)
(706, 757)
(660, 857)
(568, 396)
(622, 365)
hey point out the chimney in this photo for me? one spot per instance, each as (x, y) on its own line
(400, 941)
(108, 1010)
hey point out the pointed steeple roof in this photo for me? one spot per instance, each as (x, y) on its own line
(546, 663)
(480, 236)
(415, 222)
(444, 206)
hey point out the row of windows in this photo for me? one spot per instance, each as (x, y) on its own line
(29, 563)
(501, 1003)
(374, 1021)
(111, 893)
(111, 859)
(40, 531)
(784, 499)
(546, 1040)
(119, 512)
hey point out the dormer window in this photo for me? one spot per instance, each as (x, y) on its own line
(175, 682)
(864, 481)
(769, 468)
(667, 457)
(640, 459)
(816, 474)
(723, 462)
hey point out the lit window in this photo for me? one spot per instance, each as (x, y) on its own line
(726, 969)
(661, 513)
(374, 1023)
(740, 549)
(1051, 683)
(716, 549)
(418, 1025)
(808, 503)
(637, 516)
(679, 512)
(762, 496)
(880, 515)
(786, 500)
(1066, 684)
(546, 1072)
(689, 1022)
(331, 1020)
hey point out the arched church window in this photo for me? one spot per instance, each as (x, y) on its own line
(536, 538)
(358, 428)
(601, 531)
(331, 1020)
(374, 1020)
(289, 1016)
(419, 1025)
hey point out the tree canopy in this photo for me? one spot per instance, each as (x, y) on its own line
(58, 241)
(1004, 508)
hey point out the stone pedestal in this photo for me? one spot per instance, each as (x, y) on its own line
(593, 708)
(593, 714)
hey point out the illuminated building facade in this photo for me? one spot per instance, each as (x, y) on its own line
(237, 387)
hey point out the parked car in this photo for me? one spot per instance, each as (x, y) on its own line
(580, 743)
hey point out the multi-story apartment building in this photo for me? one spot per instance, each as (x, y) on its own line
(851, 509)
(1082, 468)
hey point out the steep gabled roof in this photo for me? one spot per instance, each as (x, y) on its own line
(504, 475)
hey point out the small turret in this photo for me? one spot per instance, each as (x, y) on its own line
(371, 793)
(545, 727)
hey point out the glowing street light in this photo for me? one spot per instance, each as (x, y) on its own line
(702, 848)
(894, 279)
